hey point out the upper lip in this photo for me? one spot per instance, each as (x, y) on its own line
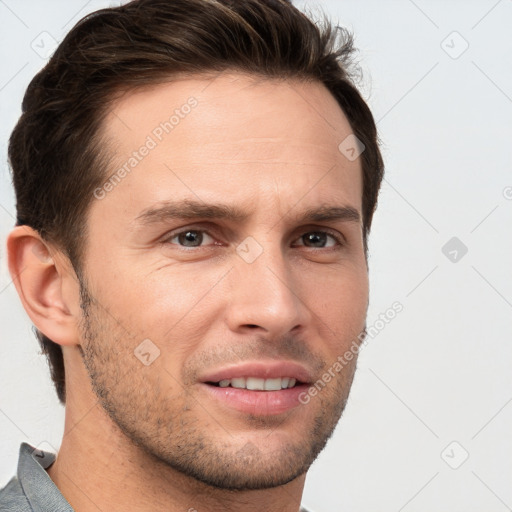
(260, 369)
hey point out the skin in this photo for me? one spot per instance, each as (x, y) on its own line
(148, 437)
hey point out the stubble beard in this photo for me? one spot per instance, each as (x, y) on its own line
(167, 431)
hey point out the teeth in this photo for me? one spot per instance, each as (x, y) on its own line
(238, 383)
(257, 384)
(272, 384)
(254, 383)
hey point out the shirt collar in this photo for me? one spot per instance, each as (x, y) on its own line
(39, 488)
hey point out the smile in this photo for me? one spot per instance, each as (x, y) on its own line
(261, 388)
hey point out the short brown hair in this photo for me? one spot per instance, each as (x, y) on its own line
(55, 151)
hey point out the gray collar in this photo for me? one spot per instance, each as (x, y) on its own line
(41, 492)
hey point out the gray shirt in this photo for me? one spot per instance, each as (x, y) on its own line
(32, 489)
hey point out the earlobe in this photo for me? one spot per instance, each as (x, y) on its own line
(47, 287)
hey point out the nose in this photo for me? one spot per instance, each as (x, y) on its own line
(266, 296)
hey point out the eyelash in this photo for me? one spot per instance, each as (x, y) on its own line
(340, 242)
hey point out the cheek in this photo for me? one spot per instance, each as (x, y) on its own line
(340, 300)
(170, 302)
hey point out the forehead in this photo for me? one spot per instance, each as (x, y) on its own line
(223, 137)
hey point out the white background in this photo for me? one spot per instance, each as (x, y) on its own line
(440, 371)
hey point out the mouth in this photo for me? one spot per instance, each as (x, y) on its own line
(260, 388)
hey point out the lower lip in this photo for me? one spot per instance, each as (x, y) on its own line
(259, 403)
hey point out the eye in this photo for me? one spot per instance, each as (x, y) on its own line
(189, 238)
(192, 238)
(319, 239)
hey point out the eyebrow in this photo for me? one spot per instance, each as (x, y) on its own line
(192, 209)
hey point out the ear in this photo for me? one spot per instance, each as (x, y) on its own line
(46, 284)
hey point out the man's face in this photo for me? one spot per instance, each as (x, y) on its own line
(180, 308)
